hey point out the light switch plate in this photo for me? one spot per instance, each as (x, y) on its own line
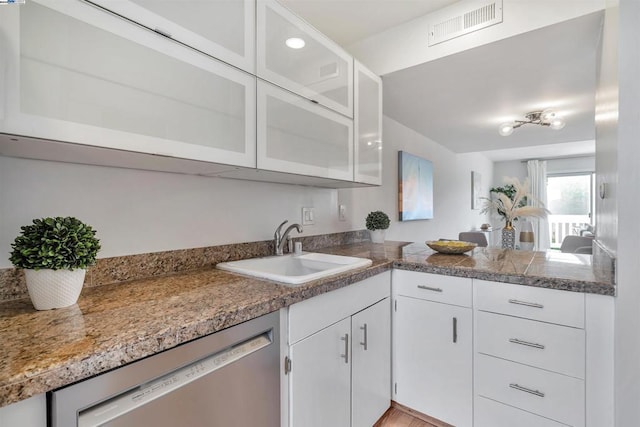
(342, 211)
(307, 216)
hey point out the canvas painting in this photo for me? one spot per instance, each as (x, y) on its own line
(476, 190)
(415, 192)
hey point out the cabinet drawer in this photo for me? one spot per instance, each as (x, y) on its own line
(433, 287)
(546, 305)
(309, 316)
(548, 394)
(543, 345)
(489, 413)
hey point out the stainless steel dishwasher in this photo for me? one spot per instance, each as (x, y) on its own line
(230, 378)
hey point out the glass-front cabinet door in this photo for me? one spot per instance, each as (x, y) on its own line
(368, 126)
(76, 73)
(224, 29)
(300, 137)
(295, 56)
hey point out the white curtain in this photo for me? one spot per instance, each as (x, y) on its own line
(538, 180)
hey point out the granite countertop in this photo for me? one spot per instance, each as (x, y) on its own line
(113, 325)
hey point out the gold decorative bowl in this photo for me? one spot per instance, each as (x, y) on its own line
(451, 246)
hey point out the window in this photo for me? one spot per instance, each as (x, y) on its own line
(570, 200)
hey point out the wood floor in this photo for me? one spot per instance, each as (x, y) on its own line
(401, 416)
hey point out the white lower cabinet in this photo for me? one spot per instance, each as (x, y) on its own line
(529, 355)
(340, 375)
(489, 354)
(432, 344)
(489, 413)
(320, 378)
(371, 363)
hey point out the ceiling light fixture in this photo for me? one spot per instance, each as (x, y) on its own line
(543, 118)
(295, 43)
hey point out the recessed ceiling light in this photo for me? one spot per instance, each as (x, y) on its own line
(295, 43)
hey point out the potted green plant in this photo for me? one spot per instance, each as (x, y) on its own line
(54, 254)
(377, 222)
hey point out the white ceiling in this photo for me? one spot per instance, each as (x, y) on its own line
(459, 101)
(349, 21)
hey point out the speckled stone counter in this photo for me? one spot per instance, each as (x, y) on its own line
(117, 324)
(554, 270)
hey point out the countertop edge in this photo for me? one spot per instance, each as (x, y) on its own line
(78, 369)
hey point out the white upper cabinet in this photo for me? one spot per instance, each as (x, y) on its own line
(368, 126)
(299, 137)
(224, 29)
(76, 73)
(319, 69)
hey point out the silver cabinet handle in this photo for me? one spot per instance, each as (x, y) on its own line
(528, 304)
(526, 390)
(364, 343)
(527, 343)
(455, 330)
(429, 288)
(345, 338)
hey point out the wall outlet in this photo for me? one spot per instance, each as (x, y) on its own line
(307, 216)
(342, 212)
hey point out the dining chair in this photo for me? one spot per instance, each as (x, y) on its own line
(474, 237)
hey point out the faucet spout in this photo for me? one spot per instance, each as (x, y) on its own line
(279, 238)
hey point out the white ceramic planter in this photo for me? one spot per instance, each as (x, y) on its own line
(377, 236)
(54, 288)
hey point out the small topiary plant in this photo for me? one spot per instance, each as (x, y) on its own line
(55, 243)
(377, 220)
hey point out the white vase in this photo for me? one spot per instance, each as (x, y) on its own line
(54, 288)
(377, 236)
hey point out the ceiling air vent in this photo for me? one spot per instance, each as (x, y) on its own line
(463, 18)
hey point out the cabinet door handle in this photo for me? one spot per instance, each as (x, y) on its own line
(455, 330)
(162, 32)
(527, 343)
(345, 338)
(528, 304)
(526, 390)
(364, 343)
(429, 288)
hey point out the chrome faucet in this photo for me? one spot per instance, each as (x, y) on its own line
(280, 239)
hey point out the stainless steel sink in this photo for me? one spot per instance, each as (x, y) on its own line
(295, 269)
